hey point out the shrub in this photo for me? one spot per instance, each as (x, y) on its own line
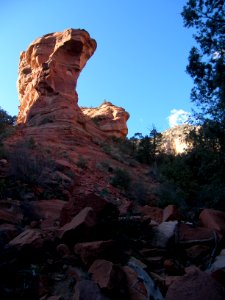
(121, 179)
(139, 193)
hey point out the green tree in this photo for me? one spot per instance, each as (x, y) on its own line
(207, 59)
(207, 68)
(5, 119)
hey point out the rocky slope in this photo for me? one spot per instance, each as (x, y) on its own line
(71, 226)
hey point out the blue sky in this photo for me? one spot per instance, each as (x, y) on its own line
(139, 63)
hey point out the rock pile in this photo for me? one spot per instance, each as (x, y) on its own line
(109, 256)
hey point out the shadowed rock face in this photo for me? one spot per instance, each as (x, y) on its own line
(48, 73)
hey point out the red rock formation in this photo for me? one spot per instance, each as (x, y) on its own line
(48, 74)
(109, 118)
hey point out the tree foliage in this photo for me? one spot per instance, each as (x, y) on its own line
(207, 59)
(6, 119)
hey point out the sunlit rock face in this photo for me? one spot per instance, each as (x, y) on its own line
(48, 73)
(109, 118)
(174, 140)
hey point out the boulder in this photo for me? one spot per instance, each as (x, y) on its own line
(49, 212)
(79, 227)
(171, 213)
(87, 290)
(195, 285)
(219, 263)
(189, 234)
(154, 213)
(107, 275)
(7, 216)
(31, 238)
(136, 287)
(164, 233)
(198, 253)
(101, 207)
(214, 220)
(91, 251)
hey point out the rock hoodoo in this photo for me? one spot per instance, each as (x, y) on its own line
(48, 73)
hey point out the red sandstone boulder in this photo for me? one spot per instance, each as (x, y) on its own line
(154, 213)
(107, 275)
(9, 217)
(195, 285)
(88, 290)
(101, 207)
(136, 287)
(188, 234)
(171, 213)
(80, 226)
(32, 238)
(49, 211)
(91, 251)
(214, 220)
(198, 253)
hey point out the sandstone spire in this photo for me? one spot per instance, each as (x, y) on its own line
(48, 73)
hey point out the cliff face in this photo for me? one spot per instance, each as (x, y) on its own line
(48, 74)
(174, 140)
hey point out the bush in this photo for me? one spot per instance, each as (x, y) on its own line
(121, 179)
(27, 167)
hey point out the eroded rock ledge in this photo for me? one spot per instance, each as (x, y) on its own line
(109, 118)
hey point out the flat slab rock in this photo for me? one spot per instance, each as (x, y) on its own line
(195, 285)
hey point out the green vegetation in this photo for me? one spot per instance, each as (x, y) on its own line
(121, 179)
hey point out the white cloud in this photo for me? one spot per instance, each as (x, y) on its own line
(178, 117)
